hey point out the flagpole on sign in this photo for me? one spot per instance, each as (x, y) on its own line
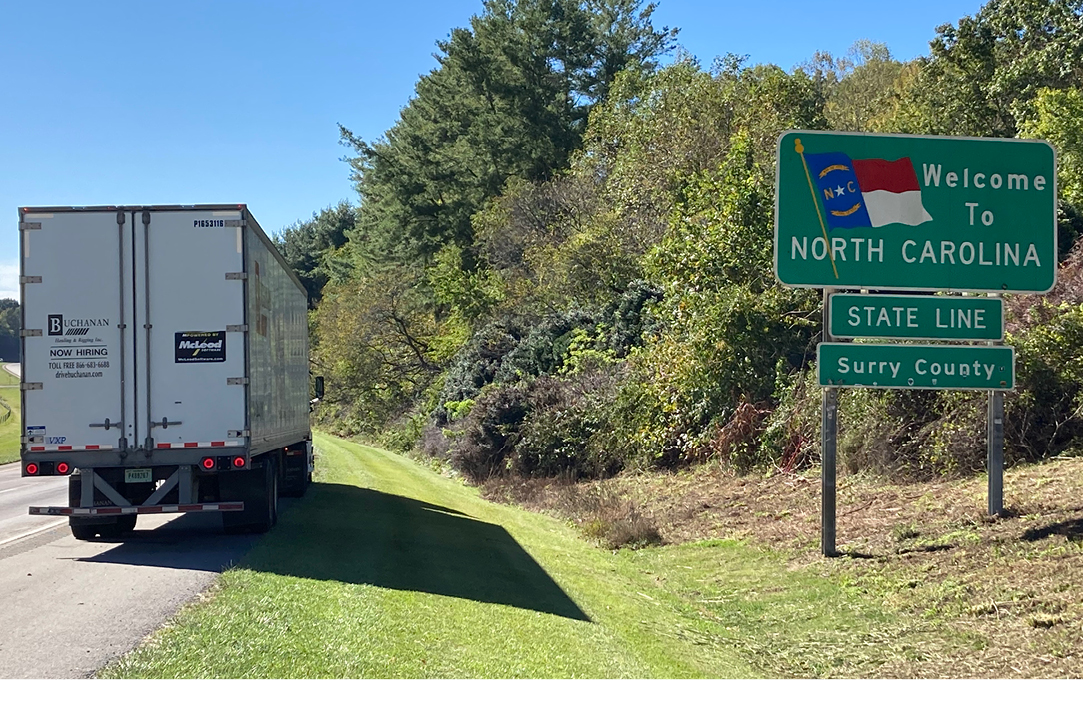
(827, 241)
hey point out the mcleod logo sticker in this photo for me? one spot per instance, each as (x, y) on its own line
(200, 346)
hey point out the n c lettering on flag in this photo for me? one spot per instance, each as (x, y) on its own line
(866, 193)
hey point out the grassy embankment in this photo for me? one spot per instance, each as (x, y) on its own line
(388, 570)
(9, 428)
(977, 596)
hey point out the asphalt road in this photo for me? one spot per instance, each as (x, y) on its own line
(18, 493)
(69, 607)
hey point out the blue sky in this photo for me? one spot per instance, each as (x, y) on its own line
(237, 102)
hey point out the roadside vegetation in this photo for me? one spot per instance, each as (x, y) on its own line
(390, 570)
(10, 417)
(969, 596)
(386, 569)
(560, 261)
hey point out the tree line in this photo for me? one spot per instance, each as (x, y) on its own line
(559, 262)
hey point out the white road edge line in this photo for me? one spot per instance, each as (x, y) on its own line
(34, 532)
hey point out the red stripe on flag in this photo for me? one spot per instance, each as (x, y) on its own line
(896, 176)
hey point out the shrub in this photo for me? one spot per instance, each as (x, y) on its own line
(477, 364)
(614, 521)
(486, 438)
(790, 439)
(564, 436)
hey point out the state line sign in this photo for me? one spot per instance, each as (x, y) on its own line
(915, 317)
(912, 212)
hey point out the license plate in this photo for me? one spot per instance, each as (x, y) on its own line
(137, 475)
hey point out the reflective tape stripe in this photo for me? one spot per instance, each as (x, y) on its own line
(131, 510)
(71, 448)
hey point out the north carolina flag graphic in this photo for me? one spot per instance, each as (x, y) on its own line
(867, 193)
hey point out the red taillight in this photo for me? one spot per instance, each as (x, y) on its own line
(207, 463)
(32, 469)
(238, 462)
(62, 468)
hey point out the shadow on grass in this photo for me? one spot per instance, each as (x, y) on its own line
(357, 535)
(361, 536)
(1072, 530)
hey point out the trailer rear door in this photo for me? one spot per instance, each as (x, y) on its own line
(189, 273)
(74, 267)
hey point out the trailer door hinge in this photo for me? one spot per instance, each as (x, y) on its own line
(30, 386)
(236, 381)
(30, 225)
(26, 279)
(235, 223)
(236, 276)
(229, 329)
(30, 332)
(237, 434)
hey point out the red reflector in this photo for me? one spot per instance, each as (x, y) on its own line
(32, 469)
(238, 462)
(62, 468)
(208, 463)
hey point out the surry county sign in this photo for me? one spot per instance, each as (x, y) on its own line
(911, 212)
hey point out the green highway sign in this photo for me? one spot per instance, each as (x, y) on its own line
(912, 212)
(915, 317)
(945, 367)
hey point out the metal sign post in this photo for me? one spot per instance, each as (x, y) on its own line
(829, 429)
(828, 439)
(996, 452)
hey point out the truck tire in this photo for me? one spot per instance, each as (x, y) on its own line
(82, 531)
(294, 476)
(85, 529)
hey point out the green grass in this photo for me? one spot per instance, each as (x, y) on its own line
(9, 429)
(388, 570)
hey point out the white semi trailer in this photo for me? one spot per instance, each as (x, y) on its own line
(165, 365)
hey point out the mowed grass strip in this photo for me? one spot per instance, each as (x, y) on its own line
(9, 428)
(387, 570)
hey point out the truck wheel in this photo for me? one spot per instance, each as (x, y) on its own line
(82, 531)
(75, 489)
(126, 523)
(275, 471)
